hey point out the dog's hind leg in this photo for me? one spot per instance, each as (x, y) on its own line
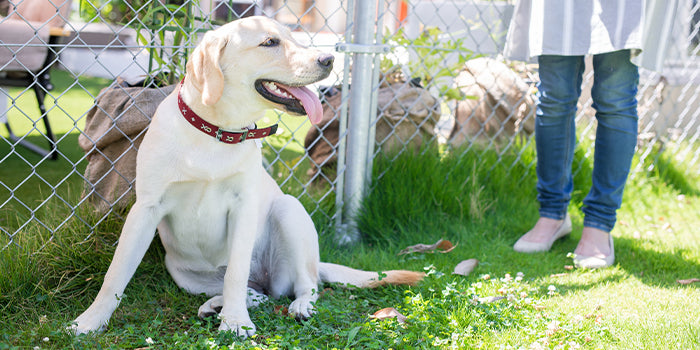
(295, 256)
(213, 305)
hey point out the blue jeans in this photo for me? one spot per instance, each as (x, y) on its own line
(614, 99)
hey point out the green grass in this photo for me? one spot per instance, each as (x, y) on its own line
(470, 200)
(27, 180)
(473, 200)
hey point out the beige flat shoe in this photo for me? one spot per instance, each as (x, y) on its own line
(524, 246)
(596, 262)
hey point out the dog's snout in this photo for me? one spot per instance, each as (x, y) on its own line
(326, 60)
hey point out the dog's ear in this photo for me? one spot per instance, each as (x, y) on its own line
(204, 70)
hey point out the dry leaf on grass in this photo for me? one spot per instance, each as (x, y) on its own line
(465, 267)
(281, 310)
(325, 291)
(389, 312)
(688, 281)
(442, 246)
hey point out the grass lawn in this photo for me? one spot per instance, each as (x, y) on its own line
(27, 181)
(469, 200)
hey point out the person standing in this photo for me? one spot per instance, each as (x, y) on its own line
(560, 33)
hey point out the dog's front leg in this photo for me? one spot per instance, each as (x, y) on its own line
(242, 233)
(137, 234)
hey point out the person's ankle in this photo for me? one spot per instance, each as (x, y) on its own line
(594, 242)
(541, 237)
(543, 230)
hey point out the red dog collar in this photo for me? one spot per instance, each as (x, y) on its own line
(225, 136)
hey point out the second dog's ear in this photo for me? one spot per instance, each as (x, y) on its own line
(204, 70)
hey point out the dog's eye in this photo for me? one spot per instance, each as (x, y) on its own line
(270, 42)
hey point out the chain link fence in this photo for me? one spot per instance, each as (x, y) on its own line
(407, 75)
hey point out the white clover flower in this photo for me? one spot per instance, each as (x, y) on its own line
(519, 276)
(150, 341)
(507, 278)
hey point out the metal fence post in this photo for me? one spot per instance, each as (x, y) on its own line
(355, 179)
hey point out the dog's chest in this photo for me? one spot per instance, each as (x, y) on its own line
(199, 218)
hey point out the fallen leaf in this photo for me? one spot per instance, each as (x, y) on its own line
(389, 312)
(445, 246)
(325, 291)
(442, 246)
(465, 267)
(281, 310)
(688, 281)
(558, 275)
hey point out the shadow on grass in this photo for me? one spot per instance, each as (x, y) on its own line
(653, 267)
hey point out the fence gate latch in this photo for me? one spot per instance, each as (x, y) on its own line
(362, 48)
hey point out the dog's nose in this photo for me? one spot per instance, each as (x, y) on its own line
(326, 60)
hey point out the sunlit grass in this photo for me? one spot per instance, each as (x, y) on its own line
(480, 201)
(482, 208)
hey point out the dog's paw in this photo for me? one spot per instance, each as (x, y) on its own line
(301, 308)
(211, 307)
(83, 326)
(242, 328)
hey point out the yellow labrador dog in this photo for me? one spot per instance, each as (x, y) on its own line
(227, 228)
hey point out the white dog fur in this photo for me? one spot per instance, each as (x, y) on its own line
(225, 224)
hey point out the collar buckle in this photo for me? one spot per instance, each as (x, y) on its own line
(229, 139)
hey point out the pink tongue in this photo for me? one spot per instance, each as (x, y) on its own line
(312, 105)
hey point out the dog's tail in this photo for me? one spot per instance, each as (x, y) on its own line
(333, 273)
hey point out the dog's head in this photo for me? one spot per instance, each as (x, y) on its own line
(258, 59)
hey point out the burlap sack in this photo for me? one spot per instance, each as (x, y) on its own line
(407, 117)
(114, 129)
(500, 104)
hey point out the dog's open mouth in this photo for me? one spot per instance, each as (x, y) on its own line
(295, 99)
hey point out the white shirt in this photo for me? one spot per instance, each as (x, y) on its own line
(589, 27)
